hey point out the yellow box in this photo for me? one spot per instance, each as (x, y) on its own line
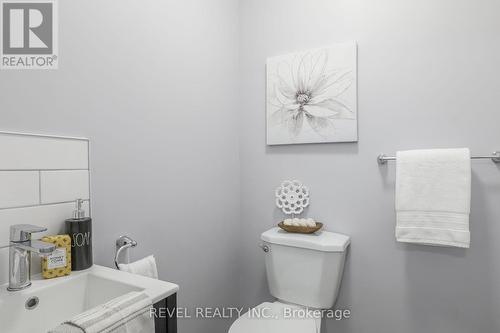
(57, 264)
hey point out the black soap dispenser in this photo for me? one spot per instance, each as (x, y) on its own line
(79, 228)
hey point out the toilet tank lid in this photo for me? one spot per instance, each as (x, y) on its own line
(321, 240)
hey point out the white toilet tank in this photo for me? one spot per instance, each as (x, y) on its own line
(305, 269)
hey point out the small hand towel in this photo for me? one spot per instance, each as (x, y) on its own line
(66, 328)
(144, 267)
(130, 313)
(433, 193)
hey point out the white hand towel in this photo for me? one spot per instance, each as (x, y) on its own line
(66, 328)
(433, 192)
(130, 313)
(144, 267)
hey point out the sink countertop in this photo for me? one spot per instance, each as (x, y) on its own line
(156, 289)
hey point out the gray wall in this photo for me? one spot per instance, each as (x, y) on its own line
(428, 77)
(153, 84)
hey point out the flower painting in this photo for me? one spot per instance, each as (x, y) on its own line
(312, 95)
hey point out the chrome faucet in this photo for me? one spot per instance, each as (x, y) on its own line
(20, 249)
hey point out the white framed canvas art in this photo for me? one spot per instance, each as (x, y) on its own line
(312, 96)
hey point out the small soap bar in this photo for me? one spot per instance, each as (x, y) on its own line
(59, 262)
(310, 222)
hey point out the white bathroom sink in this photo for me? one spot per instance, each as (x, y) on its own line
(62, 298)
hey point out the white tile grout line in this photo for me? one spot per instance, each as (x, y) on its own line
(44, 135)
(42, 204)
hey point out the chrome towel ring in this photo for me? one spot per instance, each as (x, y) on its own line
(122, 243)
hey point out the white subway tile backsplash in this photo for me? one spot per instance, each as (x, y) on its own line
(50, 216)
(40, 176)
(64, 185)
(27, 152)
(19, 188)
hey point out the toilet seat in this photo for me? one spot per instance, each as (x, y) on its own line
(272, 320)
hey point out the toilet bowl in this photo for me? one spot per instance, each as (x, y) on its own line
(275, 317)
(303, 273)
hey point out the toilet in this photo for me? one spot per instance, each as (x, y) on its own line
(304, 274)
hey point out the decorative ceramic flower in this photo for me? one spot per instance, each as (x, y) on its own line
(292, 197)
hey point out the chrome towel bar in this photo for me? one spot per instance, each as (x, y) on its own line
(495, 157)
